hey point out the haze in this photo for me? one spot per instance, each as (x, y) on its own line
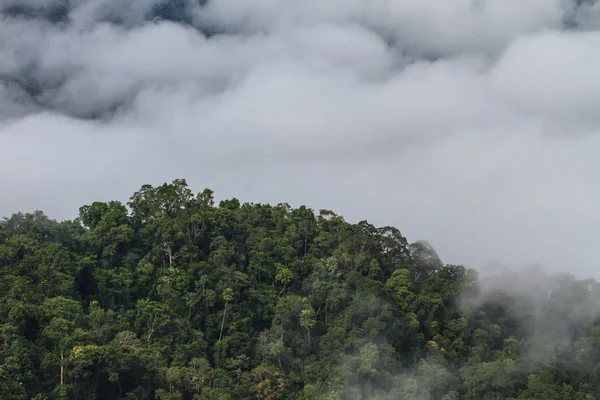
(471, 124)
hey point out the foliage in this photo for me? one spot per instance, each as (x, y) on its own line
(174, 297)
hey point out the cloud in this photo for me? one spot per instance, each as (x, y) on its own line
(471, 124)
(552, 74)
(427, 27)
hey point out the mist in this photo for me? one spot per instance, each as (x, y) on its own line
(472, 125)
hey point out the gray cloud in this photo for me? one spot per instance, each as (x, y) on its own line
(470, 124)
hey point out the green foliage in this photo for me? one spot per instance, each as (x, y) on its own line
(174, 297)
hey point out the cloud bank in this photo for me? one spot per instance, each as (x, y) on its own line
(472, 124)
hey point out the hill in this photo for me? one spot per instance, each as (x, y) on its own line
(174, 297)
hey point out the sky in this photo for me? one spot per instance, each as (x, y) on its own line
(472, 124)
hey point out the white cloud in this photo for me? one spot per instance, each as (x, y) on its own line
(489, 152)
(438, 26)
(553, 74)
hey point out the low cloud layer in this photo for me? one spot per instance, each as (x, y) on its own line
(472, 124)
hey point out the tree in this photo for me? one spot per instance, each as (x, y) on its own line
(284, 276)
(227, 297)
(308, 318)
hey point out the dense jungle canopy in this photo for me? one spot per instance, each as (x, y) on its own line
(172, 296)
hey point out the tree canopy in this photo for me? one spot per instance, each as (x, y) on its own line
(172, 296)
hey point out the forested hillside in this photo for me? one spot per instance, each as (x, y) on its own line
(175, 297)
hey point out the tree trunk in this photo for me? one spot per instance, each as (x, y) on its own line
(151, 327)
(223, 321)
(62, 369)
(284, 285)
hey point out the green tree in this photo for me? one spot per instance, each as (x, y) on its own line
(308, 319)
(227, 297)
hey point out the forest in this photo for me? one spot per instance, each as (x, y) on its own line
(174, 297)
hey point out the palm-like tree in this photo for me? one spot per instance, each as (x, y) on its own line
(227, 297)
